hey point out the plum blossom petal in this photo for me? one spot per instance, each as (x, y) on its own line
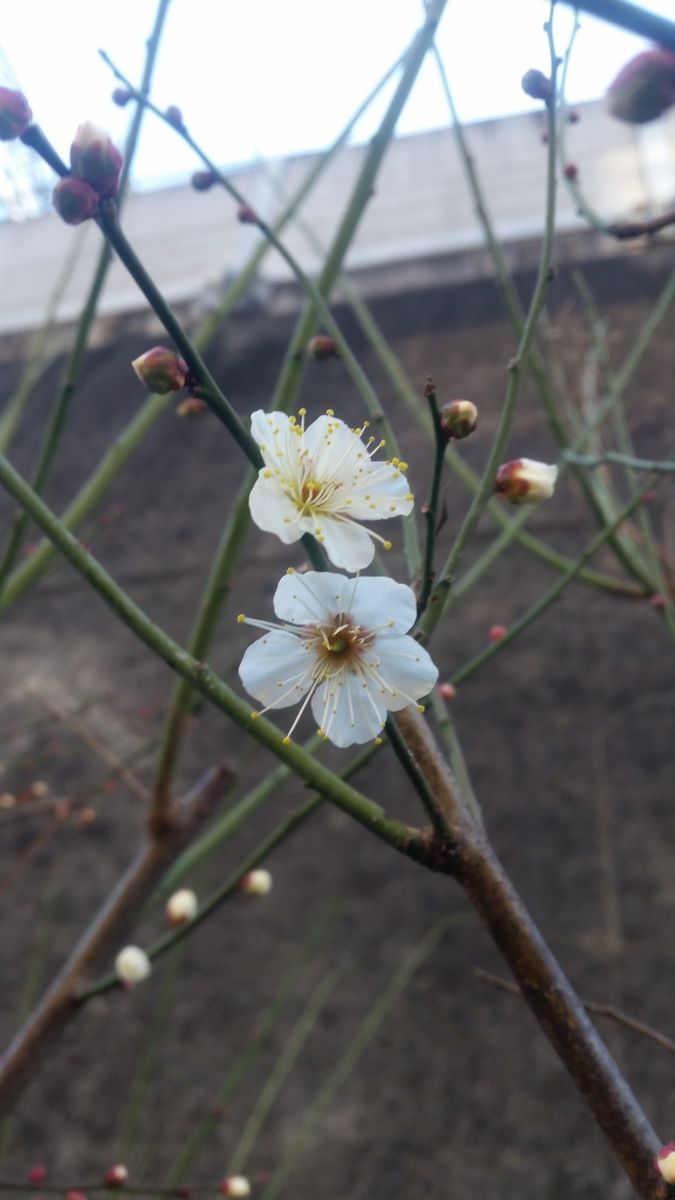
(343, 648)
(322, 479)
(347, 712)
(277, 653)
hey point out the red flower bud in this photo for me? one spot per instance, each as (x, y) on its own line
(536, 84)
(458, 418)
(116, 1177)
(15, 114)
(246, 215)
(74, 200)
(496, 633)
(161, 370)
(321, 346)
(94, 158)
(36, 1174)
(644, 88)
(571, 171)
(203, 180)
(446, 691)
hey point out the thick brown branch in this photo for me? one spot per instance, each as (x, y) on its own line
(106, 931)
(560, 1013)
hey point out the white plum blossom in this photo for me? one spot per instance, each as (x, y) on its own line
(343, 648)
(321, 479)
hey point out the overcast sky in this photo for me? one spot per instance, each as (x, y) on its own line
(273, 77)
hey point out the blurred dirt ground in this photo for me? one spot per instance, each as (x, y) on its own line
(569, 738)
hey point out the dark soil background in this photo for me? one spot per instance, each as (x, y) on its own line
(568, 736)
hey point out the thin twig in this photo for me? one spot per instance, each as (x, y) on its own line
(598, 1010)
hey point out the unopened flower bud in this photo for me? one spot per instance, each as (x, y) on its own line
(644, 88)
(458, 418)
(132, 965)
(174, 115)
(321, 346)
(235, 1185)
(665, 1162)
(116, 1176)
(181, 907)
(496, 633)
(203, 180)
(94, 158)
(571, 171)
(74, 200)
(536, 84)
(246, 215)
(121, 96)
(524, 481)
(161, 370)
(256, 883)
(36, 1174)
(658, 602)
(446, 691)
(15, 114)
(192, 406)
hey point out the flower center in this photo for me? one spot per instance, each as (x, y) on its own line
(339, 642)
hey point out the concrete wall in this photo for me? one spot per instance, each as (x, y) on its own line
(422, 210)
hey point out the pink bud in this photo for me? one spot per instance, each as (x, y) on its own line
(657, 602)
(644, 88)
(192, 406)
(15, 114)
(458, 418)
(536, 84)
(524, 481)
(571, 171)
(496, 633)
(73, 1194)
(246, 215)
(116, 1176)
(161, 370)
(203, 180)
(321, 346)
(94, 158)
(446, 691)
(665, 1162)
(174, 116)
(74, 200)
(121, 96)
(36, 1174)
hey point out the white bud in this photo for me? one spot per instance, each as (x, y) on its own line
(665, 1162)
(181, 907)
(525, 481)
(235, 1185)
(257, 883)
(132, 965)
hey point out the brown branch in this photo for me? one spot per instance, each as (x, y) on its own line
(598, 1010)
(560, 1013)
(107, 930)
(623, 230)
